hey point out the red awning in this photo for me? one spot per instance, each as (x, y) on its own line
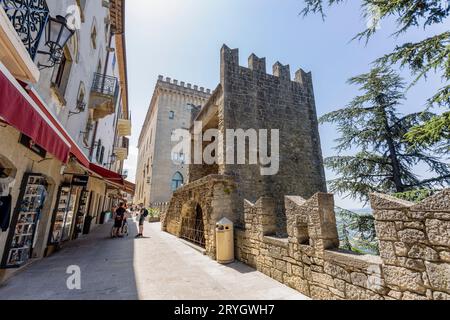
(74, 148)
(23, 109)
(21, 112)
(107, 174)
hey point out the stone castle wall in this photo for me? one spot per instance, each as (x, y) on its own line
(216, 196)
(414, 244)
(253, 99)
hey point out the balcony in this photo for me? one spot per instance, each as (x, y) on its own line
(124, 126)
(121, 150)
(103, 96)
(22, 25)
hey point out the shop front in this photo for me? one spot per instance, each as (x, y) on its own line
(113, 201)
(43, 202)
(28, 180)
(81, 200)
(25, 222)
(73, 202)
(70, 211)
(97, 188)
(32, 153)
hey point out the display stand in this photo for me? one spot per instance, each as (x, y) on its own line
(60, 215)
(81, 213)
(63, 216)
(21, 238)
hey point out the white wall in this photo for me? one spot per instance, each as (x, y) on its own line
(106, 126)
(83, 69)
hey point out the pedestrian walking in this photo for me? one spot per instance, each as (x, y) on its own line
(118, 219)
(142, 215)
(127, 214)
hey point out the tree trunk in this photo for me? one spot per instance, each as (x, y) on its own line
(396, 172)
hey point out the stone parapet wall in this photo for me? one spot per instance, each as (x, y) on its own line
(414, 244)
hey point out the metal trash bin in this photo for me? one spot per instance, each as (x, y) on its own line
(224, 241)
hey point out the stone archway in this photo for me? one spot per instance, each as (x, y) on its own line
(216, 197)
(192, 226)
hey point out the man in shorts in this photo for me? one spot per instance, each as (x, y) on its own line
(143, 214)
(118, 220)
(124, 229)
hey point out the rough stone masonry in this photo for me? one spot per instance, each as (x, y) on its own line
(285, 224)
(414, 239)
(250, 98)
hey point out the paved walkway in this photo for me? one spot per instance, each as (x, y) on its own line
(159, 266)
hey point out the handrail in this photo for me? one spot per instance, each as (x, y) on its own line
(29, 19)
(103, 84)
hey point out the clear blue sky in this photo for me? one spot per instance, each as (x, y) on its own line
(181, 39)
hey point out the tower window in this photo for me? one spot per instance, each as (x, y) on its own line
(177, 181)
(171, 115)
(94, 37)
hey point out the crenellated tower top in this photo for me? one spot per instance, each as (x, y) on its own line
(182, 84)
(230, 60)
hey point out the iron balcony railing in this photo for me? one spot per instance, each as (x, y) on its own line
(105, 85)
(29, 18)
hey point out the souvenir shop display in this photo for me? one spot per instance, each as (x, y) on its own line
(70, 215)
(60, 215)
(81, 213)
(63, 217)
(23, 227)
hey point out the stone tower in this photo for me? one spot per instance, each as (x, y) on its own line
(249, 98)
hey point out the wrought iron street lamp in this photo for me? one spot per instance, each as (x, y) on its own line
(81, 106)
(57, 34)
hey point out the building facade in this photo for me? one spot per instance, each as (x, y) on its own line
(64, 122)
(160, 170)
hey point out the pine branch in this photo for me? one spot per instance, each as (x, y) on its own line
(442, 179)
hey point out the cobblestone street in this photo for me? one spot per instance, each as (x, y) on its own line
(159, 266)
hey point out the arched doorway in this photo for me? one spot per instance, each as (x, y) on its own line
(192, 227)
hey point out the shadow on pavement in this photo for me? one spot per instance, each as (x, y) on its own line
(106, 269)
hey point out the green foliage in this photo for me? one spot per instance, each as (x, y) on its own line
(384, 161)
(431, 54)
(316, 6)
(436, 131)
(356, 231)
(408, 13)
(153, 213)
(415, 195)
